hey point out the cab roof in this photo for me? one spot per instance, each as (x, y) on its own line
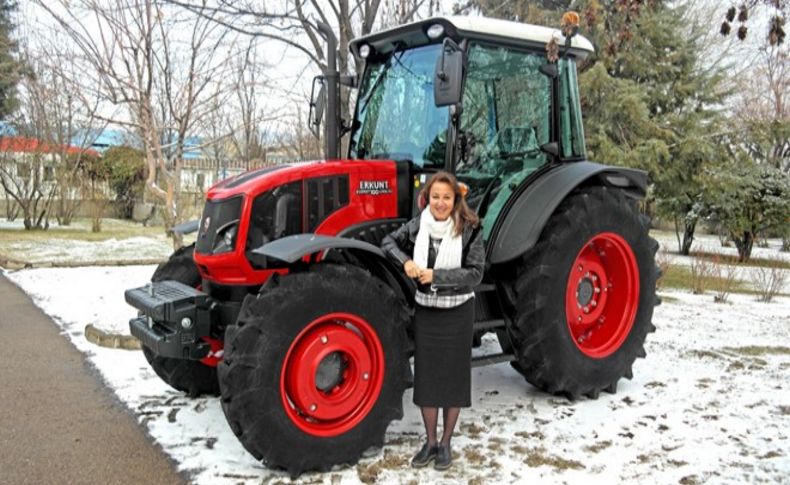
(498, 31)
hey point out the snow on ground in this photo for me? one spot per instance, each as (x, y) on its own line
(59, 250)
(710, 243)
(710, 403)
(71, 251)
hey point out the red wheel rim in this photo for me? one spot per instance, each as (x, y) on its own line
(332, 374)
(602, 295)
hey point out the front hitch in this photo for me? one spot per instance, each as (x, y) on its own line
(173, 319)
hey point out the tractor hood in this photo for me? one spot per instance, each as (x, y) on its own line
(329, 198)
(361, 174)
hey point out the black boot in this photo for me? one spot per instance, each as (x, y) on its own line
(444, 458)
(424, 456)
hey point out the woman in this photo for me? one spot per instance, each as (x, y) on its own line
(442, 249)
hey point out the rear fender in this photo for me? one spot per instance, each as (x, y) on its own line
(523, 222)
(294, 248)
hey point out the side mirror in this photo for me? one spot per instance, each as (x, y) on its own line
(317, 106)
(551, 148)
(449, 74)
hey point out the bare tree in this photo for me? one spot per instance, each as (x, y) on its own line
(294, 23)
(156, 63)
(53, 113)
(763, 108)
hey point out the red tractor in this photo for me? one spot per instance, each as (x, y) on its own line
(287, 308)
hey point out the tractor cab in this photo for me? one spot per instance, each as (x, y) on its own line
(510, 111)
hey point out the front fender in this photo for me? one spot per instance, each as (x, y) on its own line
(293, 248)
(523, 222)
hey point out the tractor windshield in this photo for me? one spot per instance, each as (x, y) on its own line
(396, 114)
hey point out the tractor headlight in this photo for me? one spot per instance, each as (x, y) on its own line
(226, 238)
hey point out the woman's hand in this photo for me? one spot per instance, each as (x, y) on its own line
(426, 276)
(411, 269)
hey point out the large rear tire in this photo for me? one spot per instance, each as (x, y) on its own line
(190, 376)
(583, 298)
(315, 368)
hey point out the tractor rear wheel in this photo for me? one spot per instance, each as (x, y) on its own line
(190, 376)
(315, 368)
(584, 296)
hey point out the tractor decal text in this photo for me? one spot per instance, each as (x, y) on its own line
(374, 187)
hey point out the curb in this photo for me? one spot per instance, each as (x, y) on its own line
(14, 264)
(110, 340)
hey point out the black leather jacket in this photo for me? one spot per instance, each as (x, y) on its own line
(399, 246)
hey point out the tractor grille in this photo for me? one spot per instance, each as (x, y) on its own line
(325, 195)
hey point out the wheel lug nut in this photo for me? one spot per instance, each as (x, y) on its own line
(313, 407)
(365, 376)
(580, 268)
(586, 309)
(579, 318)
(324, 339)
(594, 303)
(594, 278)
(597, 290)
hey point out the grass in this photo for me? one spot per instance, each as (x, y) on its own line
(679, 276)
(729, 258)
(81, 230)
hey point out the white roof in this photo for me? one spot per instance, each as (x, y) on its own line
(479, 26)
(516, 30)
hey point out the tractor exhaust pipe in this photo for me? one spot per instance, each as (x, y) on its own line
(332, 130)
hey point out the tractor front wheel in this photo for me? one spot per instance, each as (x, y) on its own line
(584, 296)
(315, 368)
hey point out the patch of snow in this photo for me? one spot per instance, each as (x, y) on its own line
(710, 243)
(60, 250)
(710, 402)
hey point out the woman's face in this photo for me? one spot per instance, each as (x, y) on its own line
(441, 200)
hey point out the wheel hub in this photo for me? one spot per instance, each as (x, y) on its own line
(584, 292)
(330, 372)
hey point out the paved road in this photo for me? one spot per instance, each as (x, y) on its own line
(58, 423)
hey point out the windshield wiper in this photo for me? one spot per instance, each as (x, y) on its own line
(377, 81)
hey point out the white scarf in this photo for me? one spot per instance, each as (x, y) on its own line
(451, 248)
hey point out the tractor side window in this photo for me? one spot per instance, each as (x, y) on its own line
(571, 127)
(505, 120)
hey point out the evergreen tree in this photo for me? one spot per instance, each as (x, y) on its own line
(746, 199)
(646, 96)
(10, 66)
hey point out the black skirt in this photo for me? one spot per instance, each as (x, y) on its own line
(443, 355)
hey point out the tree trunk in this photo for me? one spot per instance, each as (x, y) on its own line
(744, 244)
(689, 226)
(11, 210)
